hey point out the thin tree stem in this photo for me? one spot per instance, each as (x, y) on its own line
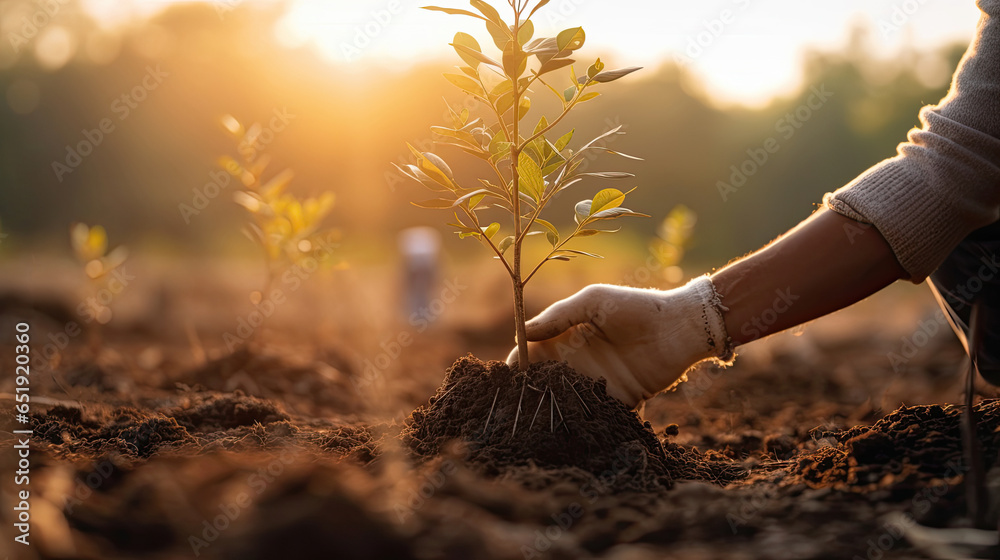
(518, 286)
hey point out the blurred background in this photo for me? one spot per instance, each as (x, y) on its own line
(110, 114)
(356, 80)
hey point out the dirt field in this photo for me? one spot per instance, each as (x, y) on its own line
(152, 440)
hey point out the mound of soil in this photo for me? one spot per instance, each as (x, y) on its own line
(354, 442)
(315, 388)
(908, 448)
(550, 417)
(215, 412)
(126, 430)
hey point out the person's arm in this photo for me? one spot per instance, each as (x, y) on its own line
(826, 263)
(643, 341)
(944, 184)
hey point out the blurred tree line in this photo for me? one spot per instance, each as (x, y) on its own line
(155, 149)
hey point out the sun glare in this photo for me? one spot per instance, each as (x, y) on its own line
(744, 52)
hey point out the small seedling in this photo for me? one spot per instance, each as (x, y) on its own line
(529, 166)
(284, 226)
(90, 246)
(672, 240)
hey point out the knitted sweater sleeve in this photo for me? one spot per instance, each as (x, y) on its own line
(945, 181)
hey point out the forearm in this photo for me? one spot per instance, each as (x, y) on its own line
(826, 263)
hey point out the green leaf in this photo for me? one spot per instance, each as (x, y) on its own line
(435, 203)
(500, 34)
(605, 200)
(595, 68)
(607, 175)
(466, 53)
(453, 12)
(466, 83)
(551, 233)
(503, 87)
(505, 244)
(613, 75)
(590, 232)
(526, 32)
(434, 167)
(413, 172)
(467, 42)
(576, 252)
(470, 195)
(475, 200)
(626, 156)
(491, 230)
(546, 171)
(547, 225)
(616, 213)
(438, 164)
(488, 11)
(564, 140)
(504, 102)
(570, 39)
(523, 108)
(499, 146)
(515, 61)
(544, 49)
(554, 64)
(530, 177)
(569, 93)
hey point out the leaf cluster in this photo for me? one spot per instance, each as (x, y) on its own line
(286, 227)
(90, 246)
(528, 170)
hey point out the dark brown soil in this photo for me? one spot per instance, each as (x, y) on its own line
(272, 454)
(312, 386)
(551, 417)
(908, 448)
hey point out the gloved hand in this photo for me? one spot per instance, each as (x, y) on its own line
(642, 341)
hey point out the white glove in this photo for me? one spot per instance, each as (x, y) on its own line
(641, 341)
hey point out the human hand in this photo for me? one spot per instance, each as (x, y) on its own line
(642, 341)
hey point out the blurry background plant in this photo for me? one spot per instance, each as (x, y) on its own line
(530, 168)
(88, 56)
(90, 246)
(285, 227)
(673, 236)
